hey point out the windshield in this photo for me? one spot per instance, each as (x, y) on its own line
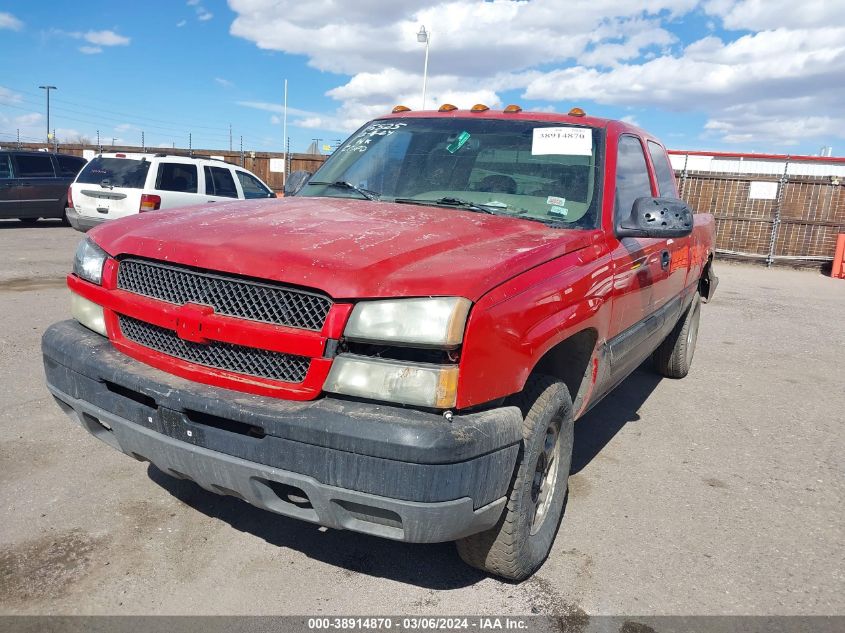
(543, 171)
(115, 172)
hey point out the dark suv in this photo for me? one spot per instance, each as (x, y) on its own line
(34, 184)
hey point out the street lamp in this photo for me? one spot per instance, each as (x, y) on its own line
(48, 89)
(424, 37)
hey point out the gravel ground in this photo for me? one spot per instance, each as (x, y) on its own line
(718, 494)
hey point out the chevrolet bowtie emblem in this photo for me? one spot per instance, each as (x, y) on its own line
(190, 319)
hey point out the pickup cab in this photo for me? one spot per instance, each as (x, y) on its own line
(402, 346)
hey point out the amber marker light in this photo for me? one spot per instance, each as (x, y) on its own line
(479, 107)
(577, 112)
(447, 107)
(512, 109)
(401, 108)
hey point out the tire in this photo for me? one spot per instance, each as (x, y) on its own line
(674, 356)
(28, 220)
(520, 542)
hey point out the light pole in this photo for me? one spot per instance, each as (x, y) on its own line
(424, 37)
(48, 89)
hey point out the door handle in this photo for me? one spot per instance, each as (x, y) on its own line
(665, 258)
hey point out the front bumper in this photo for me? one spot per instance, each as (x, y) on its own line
(82, 222)
(392, 472)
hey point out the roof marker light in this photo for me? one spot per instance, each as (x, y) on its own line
(401, 108)
(513, 108)
(447, 107)
(479, 107)
(577, 112)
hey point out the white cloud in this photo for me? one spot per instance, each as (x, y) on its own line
(8, 21)
(741, 84)
(760, 15)
(181, 23)
(224, 83)
(9, 97)
(615, 52)
(105, 38)
(204, 16)
(90, 50)
(193, 3)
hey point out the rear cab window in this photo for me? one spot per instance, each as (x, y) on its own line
(126, 173)
(219, 182)
(34, 166)
(180, 177)
(663, 170)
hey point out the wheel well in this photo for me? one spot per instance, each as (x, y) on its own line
(569, 361)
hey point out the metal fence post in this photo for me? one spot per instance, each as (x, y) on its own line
(784, 179)
(684, 177)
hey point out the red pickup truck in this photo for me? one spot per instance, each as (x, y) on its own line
(402, 346)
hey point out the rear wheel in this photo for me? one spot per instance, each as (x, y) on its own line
(28, 220)
(520, 542)
(674, 356)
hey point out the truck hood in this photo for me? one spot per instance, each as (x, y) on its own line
(344, 247)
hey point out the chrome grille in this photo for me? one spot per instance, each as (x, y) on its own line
(230, 296)
(234, 358)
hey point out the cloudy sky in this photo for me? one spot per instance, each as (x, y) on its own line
(737, 75)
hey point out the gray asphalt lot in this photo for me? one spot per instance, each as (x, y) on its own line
(718, 494)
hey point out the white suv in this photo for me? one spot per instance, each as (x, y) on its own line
(116, 185)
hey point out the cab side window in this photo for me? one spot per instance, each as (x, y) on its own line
(70, 165)
(632, 179)
(663, 170)
(252, 186)
(219, 182)
(34, 166)
(5, 166)
(179, 177)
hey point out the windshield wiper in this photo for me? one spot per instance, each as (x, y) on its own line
(342, 184)
(450, 201)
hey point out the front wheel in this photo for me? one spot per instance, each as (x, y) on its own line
(674, 356)
(520, 542)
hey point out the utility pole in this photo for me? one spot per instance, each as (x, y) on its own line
(48, 89)
(230, 137)
(285, 136)
(143, 143)
(190, 145)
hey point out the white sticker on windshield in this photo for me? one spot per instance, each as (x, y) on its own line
(568, 141)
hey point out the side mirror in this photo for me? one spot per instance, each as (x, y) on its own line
(295, 181)
(656, 217)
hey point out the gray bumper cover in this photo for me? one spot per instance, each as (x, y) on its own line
(82, 222)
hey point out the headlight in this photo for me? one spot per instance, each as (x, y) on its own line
(89, 261)
(88, 313)
(436, 321)
(395, 381)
